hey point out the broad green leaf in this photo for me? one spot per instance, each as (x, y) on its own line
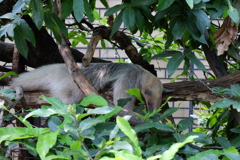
(89, 122)
(53, 123)
(117, 23)
(179, 137)
(190, 3)
(93, 99)
(37, 13)
(78, 9)
(184, 124)
(129, 18)
(142, 2)
(88, 10)
(105, 3)
(174, 63)
(27, 32)
(114, 112)
(14, 133)
(170, 153)
(193, 28)
(202, 138)
(113, 132)
(123, 102)
(101, 110)
(7, 29)
(210, 154)
(20, 42)
(127, 130)
(157, 125)
(164, 4)
(18, 6)
(123, 155)
(8, 93)
(231, 149)
(224, 103)
(168, 112)
(60, 24)
(122, 145)
(11, 73)
(196, 61)
(57, 108)
(233, 13)
(51, 157)
(232, 156)
(56, 103)
(45, 142)
(179, 28)
(223, 142)
(115, 9)
(135, 92)
(67, 8)
(147, 12)
(167, 53)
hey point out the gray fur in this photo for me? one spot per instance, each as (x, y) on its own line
(57, 80)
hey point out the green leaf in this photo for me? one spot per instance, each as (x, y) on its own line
(123, 102)
(223, 142)
(20, 42)
(57, 108)
(88, 123)
(123, 155)
(170, 153)
(37, 13)
(8, 93)
(168, 112)
(174, 63)
(135, 92)
(164, 4)
(117, 23)
(233, 13)
(67, 8)
(195, 60)
(116, 109)
(53, 123)
(179, 137)
(11, 73)
(88, 10)
(105, 3)
(142, 2)
(129, 18)
(93, 99)
(8, 28)
(13, 133)
(184, 124)
(59, 23)
(224, 103)
(115, 9)
(78, 9)
(179, 28)
(232, 156)
(211, 154)
(190, 3)
(45, 142)
(127, 130)
(122, 145)
(202, 138)
(167, 53)
(27, 32)
(101, 110)
(157, 125)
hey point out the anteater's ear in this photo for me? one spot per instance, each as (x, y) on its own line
(148, 91)
(165, 90)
